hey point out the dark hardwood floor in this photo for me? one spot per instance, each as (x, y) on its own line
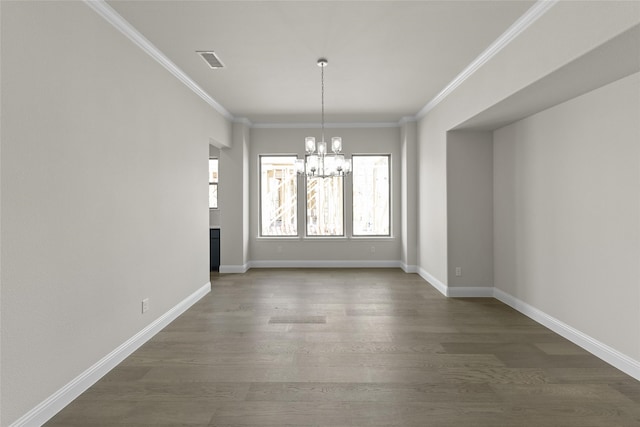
(354, 347)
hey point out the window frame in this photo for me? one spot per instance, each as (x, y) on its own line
(389, 204)
(261, 234)
(217, 184)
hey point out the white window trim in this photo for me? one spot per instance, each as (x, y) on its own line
(347, 211)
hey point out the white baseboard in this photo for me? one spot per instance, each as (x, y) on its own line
(61, 398)
(456, 291)
(408, 268)
(610, 355)
(470, 291)
(317, 264)
(234, 268)
(433, 281)
(324, 264)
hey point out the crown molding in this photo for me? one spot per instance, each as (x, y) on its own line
(112, 17)
(326, 125)
(407, 119)
(117, 21)
(245, 121)
(529, 17)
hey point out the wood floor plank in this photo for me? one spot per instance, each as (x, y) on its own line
(304, 319)
(163, 391)
(410, 360)
(370, 392)
(354, 347)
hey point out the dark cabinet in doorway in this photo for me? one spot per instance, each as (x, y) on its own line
(214, 249)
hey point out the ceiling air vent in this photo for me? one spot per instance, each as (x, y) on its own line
(211, 58)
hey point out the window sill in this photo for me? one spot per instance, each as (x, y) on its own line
(325, 238)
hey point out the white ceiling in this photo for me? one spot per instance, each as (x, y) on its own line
(387, 59)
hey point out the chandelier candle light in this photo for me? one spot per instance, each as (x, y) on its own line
(317, 162)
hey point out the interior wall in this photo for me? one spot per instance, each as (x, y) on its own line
(233, 190)
(409, 191)
(103, 197)
(279, 251)
(432, 199)
(246, 189)
(470, 208)
(1, 133)
(567, 213)
(564, 33)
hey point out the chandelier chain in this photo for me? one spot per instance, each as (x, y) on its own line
(322, 83)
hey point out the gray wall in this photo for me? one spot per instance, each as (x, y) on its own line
(103, 197)
(409, 194)
(567, 213)
(234, 206)
(470, 208)
(567, 31)
(303, 251)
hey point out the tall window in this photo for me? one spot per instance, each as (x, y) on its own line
(213, 183)
(325, 201)
(278, 196)
(371, 191)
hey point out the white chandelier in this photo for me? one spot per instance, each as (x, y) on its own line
(317, 162)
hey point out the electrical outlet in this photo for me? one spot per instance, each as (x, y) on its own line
(145, 305)
(279, 249)
(458, 271)
(373, 249)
